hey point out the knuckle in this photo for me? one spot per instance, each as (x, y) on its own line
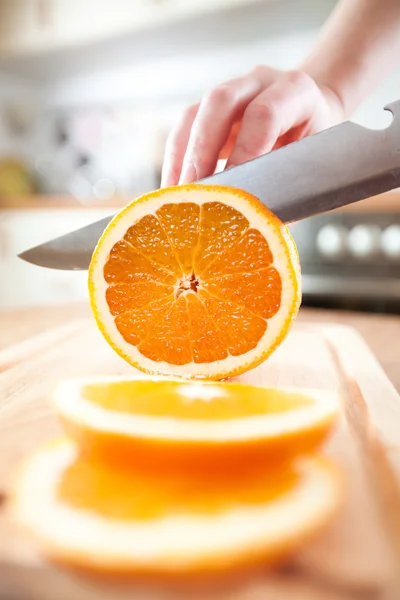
(244, 149)
(259, 71)
(198, 151)
(261, 111)
(200, 146)
(197, 161)
(298, 78)
(265, 75)
(201, 162)
(219, 95)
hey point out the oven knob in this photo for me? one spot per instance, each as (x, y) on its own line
(363, 240)
(390, 241)
(331, 241)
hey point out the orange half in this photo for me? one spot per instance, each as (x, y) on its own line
(211, 426)
(196, 281)
(126, 521)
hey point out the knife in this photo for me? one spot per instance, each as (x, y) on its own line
(338, 166)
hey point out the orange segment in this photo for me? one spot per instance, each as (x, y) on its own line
(122, 297)
(137, 324)
(220, 228)
(248, 290)
(251, 252)
(149, 238)
(208, 343)
(208, 426)
(125, 264)
(169, 337)
(185, 333)
(241, 328)
(113, 520)
(200, 281)
(181, 224)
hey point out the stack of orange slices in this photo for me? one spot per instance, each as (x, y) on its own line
(169, 477)
(173, 476)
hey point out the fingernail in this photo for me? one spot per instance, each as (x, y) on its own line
(164, 178)
(189, 175)
(168, 178)
(164, 182)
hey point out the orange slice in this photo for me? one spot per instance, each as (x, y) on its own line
(196, 281)
(179, 423)
(123, 521)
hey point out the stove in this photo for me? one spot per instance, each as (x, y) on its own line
(350, 256)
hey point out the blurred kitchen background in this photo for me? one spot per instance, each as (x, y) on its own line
(88, 92)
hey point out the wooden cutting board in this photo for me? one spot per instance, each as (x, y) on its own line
(358, 557)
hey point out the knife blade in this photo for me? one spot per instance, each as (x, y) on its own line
(339, 166)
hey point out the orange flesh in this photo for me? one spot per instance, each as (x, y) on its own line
(132, 494)
(192, 401)
(192, 284)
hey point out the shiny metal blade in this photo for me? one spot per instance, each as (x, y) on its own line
(339, 166)
(336, 167)
(70, 252)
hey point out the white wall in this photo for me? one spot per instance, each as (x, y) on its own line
(185, 78)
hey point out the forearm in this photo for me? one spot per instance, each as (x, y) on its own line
(358, 46)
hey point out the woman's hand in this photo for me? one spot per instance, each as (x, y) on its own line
(246, 117)
(266, 109)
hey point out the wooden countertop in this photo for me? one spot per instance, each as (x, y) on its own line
(381, 332)
(357, 556)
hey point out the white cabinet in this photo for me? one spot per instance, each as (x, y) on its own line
(46, 25)
(23, 284)
(20, 26)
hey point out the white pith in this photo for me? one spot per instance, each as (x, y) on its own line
(173, 541)
(70, 403)
(281, 261)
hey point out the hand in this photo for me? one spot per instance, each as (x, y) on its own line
(247, 117)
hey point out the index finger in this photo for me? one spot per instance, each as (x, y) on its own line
(217, 113)
(175, 147)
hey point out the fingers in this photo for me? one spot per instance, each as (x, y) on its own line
(273, 107)
(217, 113)
(285, 105)
(176, 147)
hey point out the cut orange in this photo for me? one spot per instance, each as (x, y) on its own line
(179, 423)
(196, 281)
(115, 520)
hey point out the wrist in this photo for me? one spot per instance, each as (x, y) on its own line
(335, 102)
(332, 92)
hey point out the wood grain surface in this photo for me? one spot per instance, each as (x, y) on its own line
(381, 332)
(358, 557)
